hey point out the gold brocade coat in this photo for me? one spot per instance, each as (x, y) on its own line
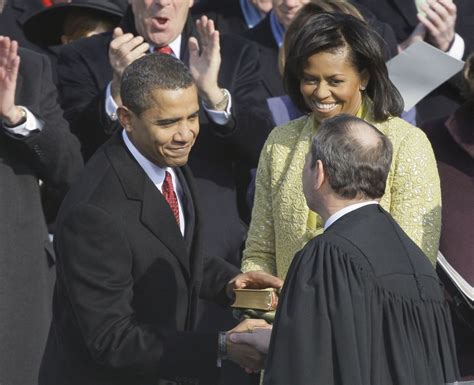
(281, 221)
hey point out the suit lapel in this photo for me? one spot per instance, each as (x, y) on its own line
(20, 5)
(188, 207)
(156, 214)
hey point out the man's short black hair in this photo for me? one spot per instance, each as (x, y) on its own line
(355, 155)
(151, 72)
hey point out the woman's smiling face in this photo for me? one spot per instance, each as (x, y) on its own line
(331, 84)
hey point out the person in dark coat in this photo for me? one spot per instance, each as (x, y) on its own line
(361, 303)
(35, 147)
(89, 71)
(131, 258)
(87, 81)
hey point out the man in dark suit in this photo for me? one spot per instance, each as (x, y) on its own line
(361, 304)
(446, 24)
(131, 258)
(35, 143)
(89, 72)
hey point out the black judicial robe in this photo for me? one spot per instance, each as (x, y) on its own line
(362, 305)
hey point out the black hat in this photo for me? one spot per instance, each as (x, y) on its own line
(45, 27)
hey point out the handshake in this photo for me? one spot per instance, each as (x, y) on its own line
(247, 344)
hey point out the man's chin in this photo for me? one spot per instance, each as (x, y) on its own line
(177, 161)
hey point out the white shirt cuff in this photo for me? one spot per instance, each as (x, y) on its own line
(110, 105)
(457, 49)
(31, 124)
(219, 117)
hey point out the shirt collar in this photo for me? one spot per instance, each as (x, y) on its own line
(278, 30)
(251, 14)
(346, 210)
(175, 45)
(154, 172)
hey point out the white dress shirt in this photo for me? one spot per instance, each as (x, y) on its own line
(157, 176)
(31, 124)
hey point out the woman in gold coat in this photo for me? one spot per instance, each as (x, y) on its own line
(335, 64)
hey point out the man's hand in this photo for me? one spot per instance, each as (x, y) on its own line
(440, 22)
(259, 338)
(124, 50)
(253, 280)
(205, 61)
(245, 355)
(9, 65)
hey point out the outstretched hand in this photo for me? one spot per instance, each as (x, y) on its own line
(253, 280)
(259, 338)
(245, 355)
(9, 66)
(205, 60)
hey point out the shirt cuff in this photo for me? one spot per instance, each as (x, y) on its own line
(457, 48)
(31, 124)
(110, 105)
(219, 117)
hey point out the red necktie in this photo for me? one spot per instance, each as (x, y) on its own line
(166, 49)
(168, 192)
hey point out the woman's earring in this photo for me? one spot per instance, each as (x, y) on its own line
(362, 88)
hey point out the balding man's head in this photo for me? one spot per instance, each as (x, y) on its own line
(355, 155)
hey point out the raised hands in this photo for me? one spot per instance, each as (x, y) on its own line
(439, 19)
(436, 26)
(205, 61)
(124, 50)
(9, 65)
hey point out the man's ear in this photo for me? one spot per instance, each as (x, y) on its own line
(125, 118)
(320, 177)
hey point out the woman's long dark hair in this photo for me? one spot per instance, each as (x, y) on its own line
(330, 32)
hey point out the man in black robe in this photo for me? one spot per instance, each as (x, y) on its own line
(361, 304)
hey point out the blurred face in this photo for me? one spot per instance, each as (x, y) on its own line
(166, 132)
(285, 10)
(331, 84)
(160, 21)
